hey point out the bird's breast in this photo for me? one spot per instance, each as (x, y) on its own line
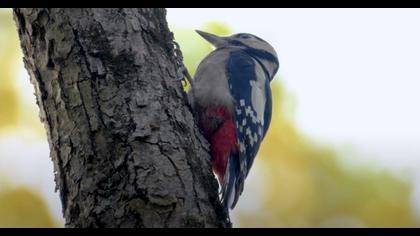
(210, 86)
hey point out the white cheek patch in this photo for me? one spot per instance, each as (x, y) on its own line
(258, 98)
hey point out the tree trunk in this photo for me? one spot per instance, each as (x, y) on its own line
(125, 147)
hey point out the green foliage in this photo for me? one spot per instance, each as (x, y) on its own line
(194, 47)
(17, 112)
(9, 54)
(23, 208)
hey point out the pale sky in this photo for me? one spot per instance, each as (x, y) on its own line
(355, 72)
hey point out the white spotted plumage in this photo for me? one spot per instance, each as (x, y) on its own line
(237, 76)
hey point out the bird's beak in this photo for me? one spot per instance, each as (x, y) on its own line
(217, 41)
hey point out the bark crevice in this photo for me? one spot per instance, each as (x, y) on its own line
(124, 144)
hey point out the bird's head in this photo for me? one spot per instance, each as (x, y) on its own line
(253, 45)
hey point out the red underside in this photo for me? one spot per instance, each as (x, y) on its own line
(223, 141)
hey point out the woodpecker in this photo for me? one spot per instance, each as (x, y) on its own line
(231, 98)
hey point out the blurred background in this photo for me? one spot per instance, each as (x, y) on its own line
(343, 146)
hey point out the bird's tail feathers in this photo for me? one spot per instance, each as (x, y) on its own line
(232, 184)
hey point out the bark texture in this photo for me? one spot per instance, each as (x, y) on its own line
(125, 148)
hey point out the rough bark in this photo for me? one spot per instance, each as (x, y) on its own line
(125, 148)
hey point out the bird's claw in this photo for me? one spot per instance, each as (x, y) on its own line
(180, 74)
(183, 75)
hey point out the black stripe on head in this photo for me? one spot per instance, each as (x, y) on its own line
(262, 54)
(257, 53)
